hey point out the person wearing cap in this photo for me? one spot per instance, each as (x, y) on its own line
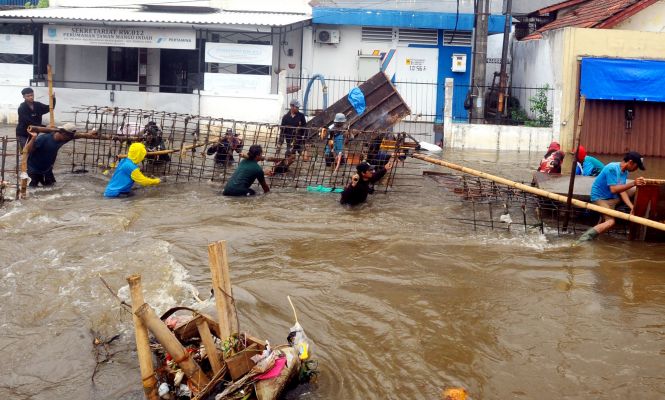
(334, 150)
(362, 183)
(127, 172)
(248, 170)
(551, 162)
(291, 125)
(43, 151)
(224, 148)
(610, 187)
(29, 114)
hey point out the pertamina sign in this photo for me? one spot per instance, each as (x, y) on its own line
(118, 36)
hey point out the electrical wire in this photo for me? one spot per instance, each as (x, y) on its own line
(452, 38)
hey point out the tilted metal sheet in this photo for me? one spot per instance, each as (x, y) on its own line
(384, 107)
(604, 128)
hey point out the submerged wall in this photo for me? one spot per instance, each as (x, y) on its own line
(499, 137)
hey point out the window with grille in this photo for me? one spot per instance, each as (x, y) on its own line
(374, 34)
(418, 36)
(457, 38)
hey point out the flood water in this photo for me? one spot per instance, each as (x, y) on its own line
(399, 300)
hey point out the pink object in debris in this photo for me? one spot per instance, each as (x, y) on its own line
(280, 363)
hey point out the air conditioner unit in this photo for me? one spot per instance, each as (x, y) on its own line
(329, 36)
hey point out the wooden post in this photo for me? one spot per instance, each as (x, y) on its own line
(209, 343)
(171, 344)
(142, 343)
(49, 74)
(576, 151)
(221, 285)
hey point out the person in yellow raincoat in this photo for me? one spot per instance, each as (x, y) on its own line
(127, 172)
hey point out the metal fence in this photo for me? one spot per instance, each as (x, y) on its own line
(524, 106)
(17, 3)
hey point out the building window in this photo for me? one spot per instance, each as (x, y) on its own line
(376, 34)
(122, 64)
(457, 38)
(418, 36)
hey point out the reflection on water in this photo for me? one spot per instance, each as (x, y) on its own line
(399, 300)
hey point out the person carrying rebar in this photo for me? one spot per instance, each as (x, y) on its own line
(29, 114)
(127, 172)
(43, 150)
(224, 148)
(362, 183)
(290, 131)
(610, 187)
(155, 142)
(248, 170)
(334, 151)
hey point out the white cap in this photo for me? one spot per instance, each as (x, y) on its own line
(69, 127)
(339, 117)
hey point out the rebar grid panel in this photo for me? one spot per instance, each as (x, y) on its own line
(486, 204)
(9, 169)
(187, 139)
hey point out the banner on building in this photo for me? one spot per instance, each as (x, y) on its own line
(117, 36)
(16, 44)
(232, 53)
(236, 84)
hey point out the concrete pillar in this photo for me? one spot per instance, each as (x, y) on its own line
(448, 109)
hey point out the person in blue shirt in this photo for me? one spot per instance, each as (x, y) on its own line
(587, 165)
(335, 144)
(127, 172)
(610, 187)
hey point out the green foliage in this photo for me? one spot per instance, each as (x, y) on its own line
(539, 109)
(40, 4)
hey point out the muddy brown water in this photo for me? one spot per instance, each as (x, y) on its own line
(399, 300)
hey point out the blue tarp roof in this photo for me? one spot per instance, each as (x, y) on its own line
(623, 79)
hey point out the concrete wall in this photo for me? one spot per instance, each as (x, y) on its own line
(259, 108)
(499, 137)
(599, 43)
(536, 63)
(651, 19)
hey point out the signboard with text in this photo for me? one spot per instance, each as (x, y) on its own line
(235, 84)
(16, 44)
(232, 53)
(118, 36)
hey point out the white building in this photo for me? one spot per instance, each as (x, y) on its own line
(205, 58)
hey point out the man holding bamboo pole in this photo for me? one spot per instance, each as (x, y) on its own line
(610, 187)
(29, 114)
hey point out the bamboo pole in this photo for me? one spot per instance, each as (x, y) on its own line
(576, 152)
(221, 285)
(543, 193)
(142, 342)
(650, 181)
(49, 74)
(171, 344)
(209, 343)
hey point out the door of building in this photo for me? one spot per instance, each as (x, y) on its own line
(178, 71)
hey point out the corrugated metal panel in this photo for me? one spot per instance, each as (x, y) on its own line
(98, 14)
(376, 34)
(418, 36)
(457, 38)
(604, 130)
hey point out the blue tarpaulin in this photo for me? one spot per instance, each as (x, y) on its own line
(357, 100)
(622, 79)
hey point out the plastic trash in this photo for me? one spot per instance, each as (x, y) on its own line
(184, 391)
(164, 392)
(298, 339)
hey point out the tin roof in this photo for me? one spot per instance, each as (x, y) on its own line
(137, 15)
(590, 14)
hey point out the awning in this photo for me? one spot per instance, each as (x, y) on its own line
(135, 15)
(623, 79)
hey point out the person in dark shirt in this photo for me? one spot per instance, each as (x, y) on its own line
(362, 184)
(290, 131)
(224, 148)
(29, 113)
(247, 172)
(155, 142)
(43, 150)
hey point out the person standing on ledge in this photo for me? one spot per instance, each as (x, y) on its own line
(610, 187)
(246, 173)
(29, 114)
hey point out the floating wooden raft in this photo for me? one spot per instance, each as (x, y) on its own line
(385, 108)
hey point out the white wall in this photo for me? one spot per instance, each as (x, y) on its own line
(651, 19)
(494, 50)
(499, 137)
(260, 108)
(536, 63)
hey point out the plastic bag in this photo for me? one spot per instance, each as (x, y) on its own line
(298, 339)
